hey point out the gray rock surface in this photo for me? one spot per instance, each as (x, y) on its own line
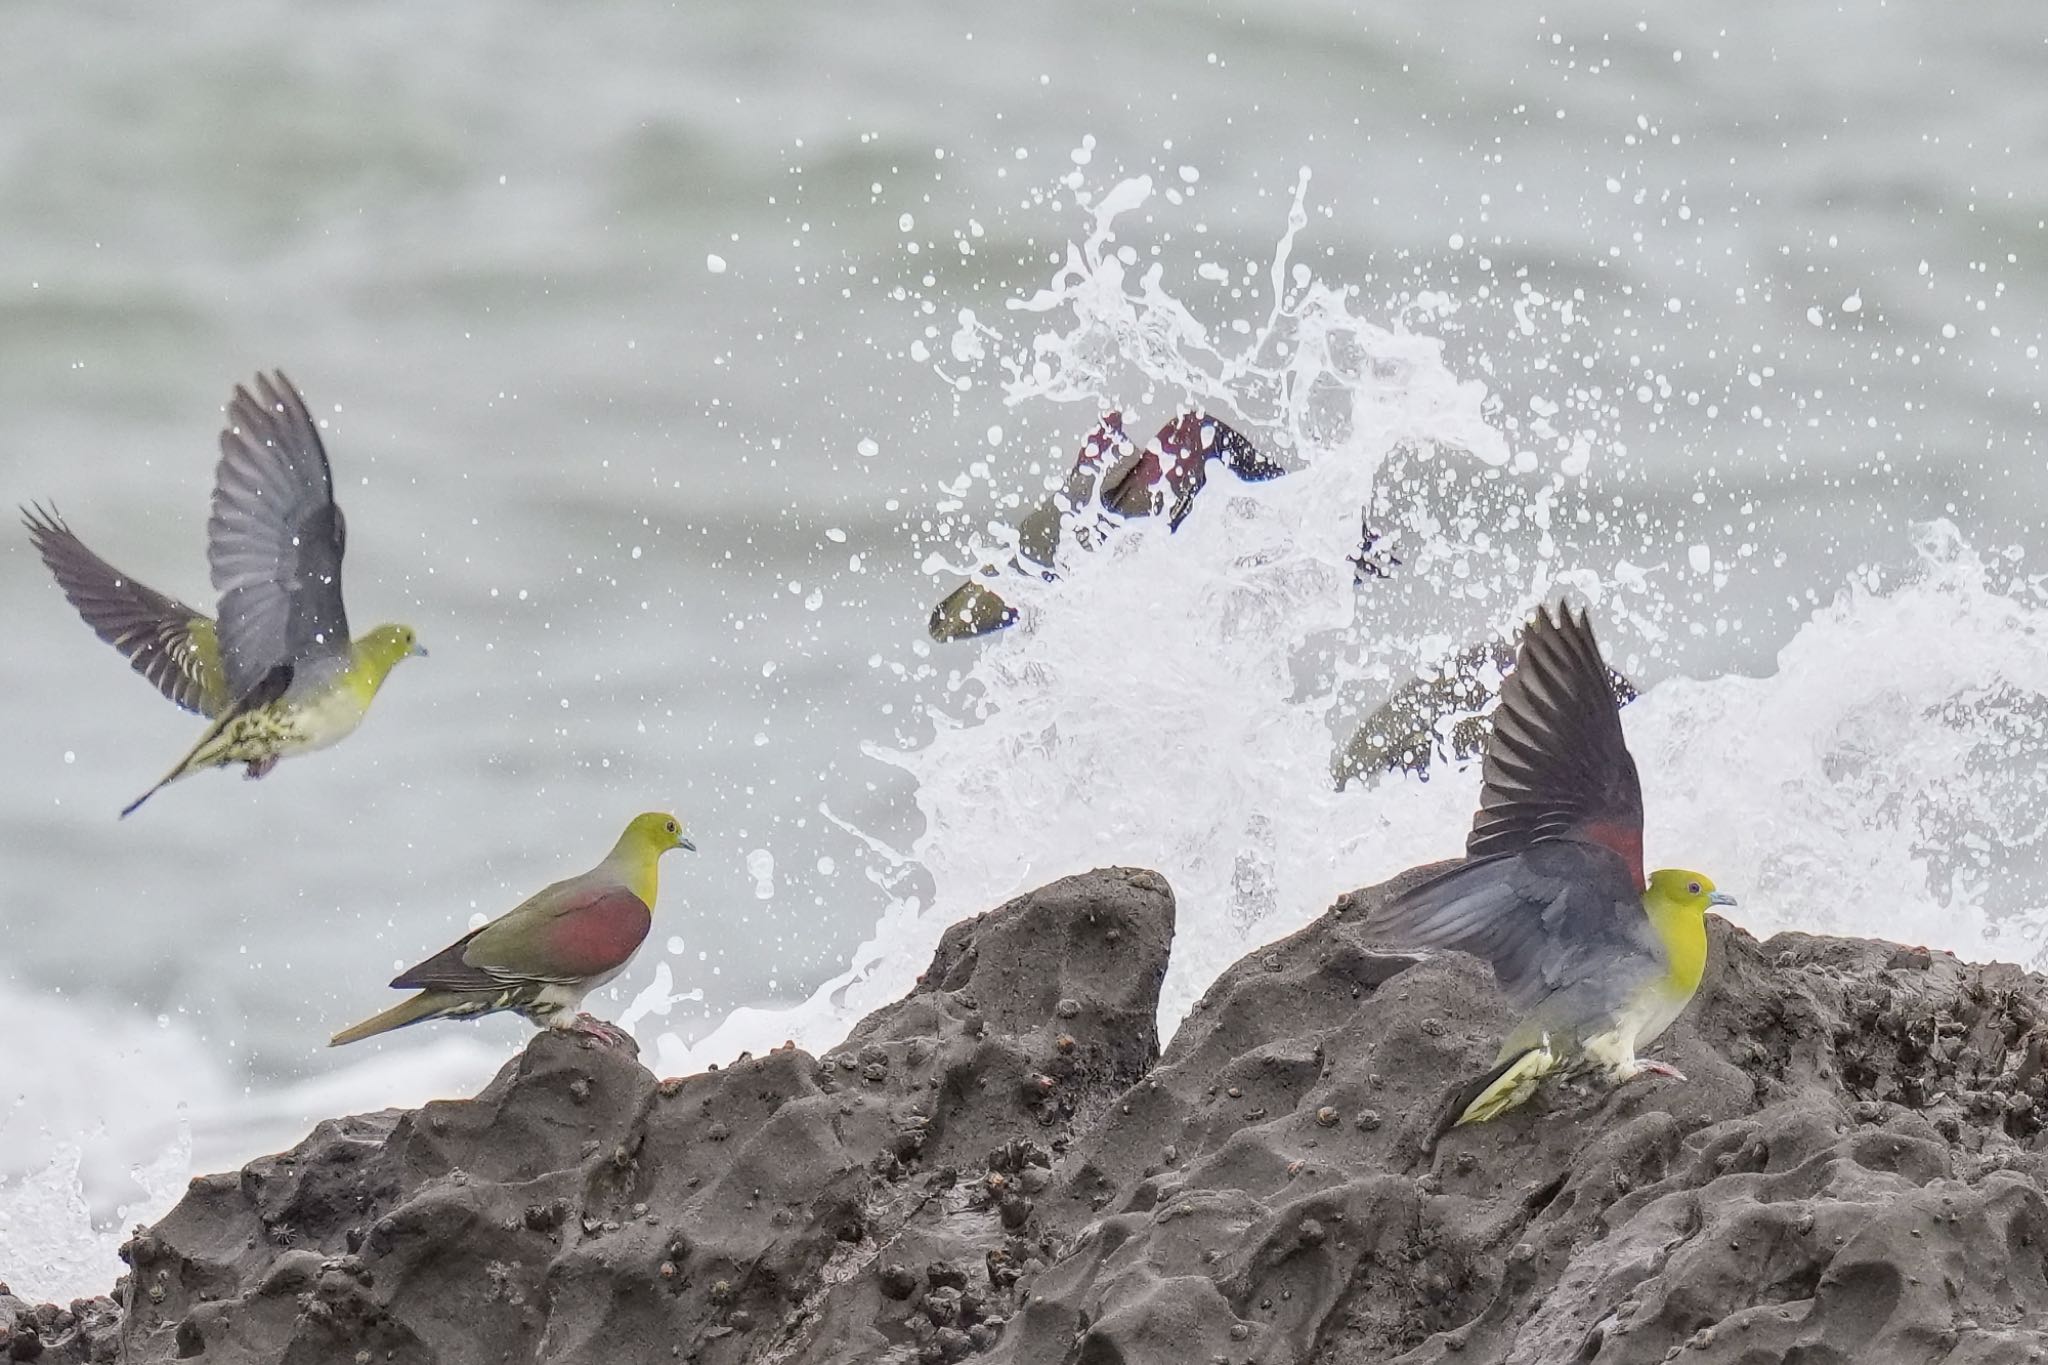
(1001, 1166)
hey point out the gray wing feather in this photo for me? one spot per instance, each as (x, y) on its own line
(1556, 763)
(1549, 890)
(164, 640)
(446, 971)
(1551, 918)
(275, 539)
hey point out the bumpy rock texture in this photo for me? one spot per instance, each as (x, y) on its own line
(1002, 1167)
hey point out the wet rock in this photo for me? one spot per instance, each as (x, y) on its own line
(579, 1210)
(1855, 1171)
(87, 1331)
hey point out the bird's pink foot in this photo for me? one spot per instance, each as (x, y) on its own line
(611, 1035)
(258, 767)
(1646, 1067)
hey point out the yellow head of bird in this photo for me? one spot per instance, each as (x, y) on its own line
(656, 833)
(1677, 902)
(386, 645)
(1686, 892)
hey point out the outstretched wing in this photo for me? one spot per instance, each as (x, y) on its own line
(1550, 888)
(1556, 765)
(1559, 914)
(164, 640)
(275, 539)
(565, 934)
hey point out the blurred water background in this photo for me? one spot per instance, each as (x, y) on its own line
(666, 354)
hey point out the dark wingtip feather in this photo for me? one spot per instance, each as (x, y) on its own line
(43, 523)
(152, 631)
(262, 416)
(275, 538)
(1557, 765)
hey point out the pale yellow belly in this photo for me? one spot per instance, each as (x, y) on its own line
(328, 719)
(1637, 1026)
(291, 728)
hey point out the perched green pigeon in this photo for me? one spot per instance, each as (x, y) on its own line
(540, 959)
(277, 673)
(1551, 890)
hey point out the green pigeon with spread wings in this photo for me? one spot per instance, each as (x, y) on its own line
(276, 671)
(1598, 957)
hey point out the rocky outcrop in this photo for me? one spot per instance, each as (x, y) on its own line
(1855, 1171)
(1001, 1166)
(88, 1330)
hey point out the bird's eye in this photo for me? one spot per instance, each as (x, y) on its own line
(1692, 888)
(672, 830)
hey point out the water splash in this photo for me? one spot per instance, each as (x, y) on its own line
(72, 1184)
(1891, 777)
(39, 1203)
(1173, 701)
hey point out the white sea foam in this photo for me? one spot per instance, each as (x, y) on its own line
(1890, 778)
(103, 1121)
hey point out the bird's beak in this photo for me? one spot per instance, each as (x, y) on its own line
(1720, 898)
(683, 841)
(419, 651)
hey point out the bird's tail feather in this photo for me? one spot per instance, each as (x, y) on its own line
(194, 760)
(166, 780)
(425, 1005)
(1507, 1086)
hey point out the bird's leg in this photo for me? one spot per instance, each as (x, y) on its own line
(259, 767)
(609, 1034)
(1616, 1055)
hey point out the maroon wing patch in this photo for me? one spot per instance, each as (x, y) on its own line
(588, 939)
(597, 935)
(1556, 764)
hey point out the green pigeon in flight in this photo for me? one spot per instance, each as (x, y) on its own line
(276, 673)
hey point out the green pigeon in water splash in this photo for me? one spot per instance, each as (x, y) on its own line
(1120, 481)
